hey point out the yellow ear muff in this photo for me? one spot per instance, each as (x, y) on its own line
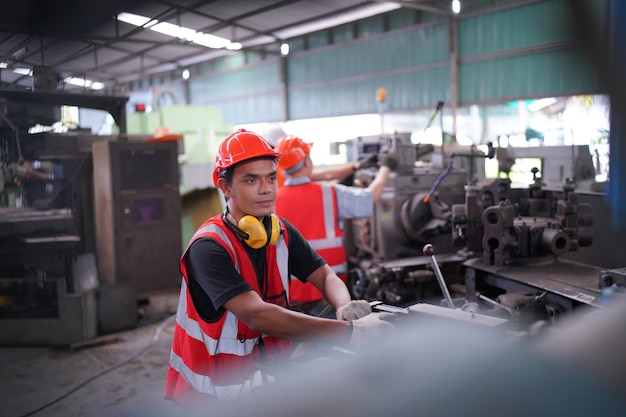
(274, 231)
(257, 233)
(255, 230)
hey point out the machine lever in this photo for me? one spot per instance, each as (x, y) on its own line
(428, 250)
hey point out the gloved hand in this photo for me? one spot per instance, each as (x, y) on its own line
(354, 310)
(391, 161)
(368, 161)
(373, 327)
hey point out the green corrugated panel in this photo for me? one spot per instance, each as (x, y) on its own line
(370, 26)
(563, 72)
(236, 60)
(266, 107)
(401, 18)
(254, 57)
(297, 44)
(229, 62)
(342, 33)
(245, 81)
(405, 49)
(410, 90)
(522, 27)
(319, 39)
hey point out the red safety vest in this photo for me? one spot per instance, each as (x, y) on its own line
(312, 209)
(216, 361)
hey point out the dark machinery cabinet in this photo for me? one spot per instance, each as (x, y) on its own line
(137, 215)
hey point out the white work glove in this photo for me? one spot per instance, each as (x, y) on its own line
(354, 310)
(371, 328)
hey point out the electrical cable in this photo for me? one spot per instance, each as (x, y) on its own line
(439, 179)
(138, 352)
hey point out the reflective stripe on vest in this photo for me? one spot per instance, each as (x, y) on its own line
(228, 344)
(202, 383)
(331, 240)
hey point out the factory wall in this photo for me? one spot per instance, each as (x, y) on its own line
(526, 51)
(513, 50)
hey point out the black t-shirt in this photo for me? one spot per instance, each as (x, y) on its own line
(213, 279)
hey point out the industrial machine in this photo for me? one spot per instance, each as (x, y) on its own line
(514, 240)
(52, 252)
(385, 251)
(501, 249)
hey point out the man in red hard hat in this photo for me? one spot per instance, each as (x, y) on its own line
(233, 314)
(319, 219)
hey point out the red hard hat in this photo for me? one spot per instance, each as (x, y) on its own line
(241, 146)
(293, 149)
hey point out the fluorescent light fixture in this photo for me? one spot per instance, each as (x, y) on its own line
(180, 32)
(23, 71)
(210, 41)
(3, 65)
(174, 31)
(81, 82)
(456, 6)
(362, 13)
(135, 19)
(284, 49)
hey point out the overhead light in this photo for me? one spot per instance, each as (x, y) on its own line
(82, 82)
(361, 13)
(185, 74)
(456, 6)
(284, 49)
(23, 71)
(135, 19)
(210, 41)
(3, 65)
(180, 32)
(174, 31)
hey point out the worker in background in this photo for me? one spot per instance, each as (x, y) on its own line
(233, 315)
(317, 211)
(274, 133)
(335, 173)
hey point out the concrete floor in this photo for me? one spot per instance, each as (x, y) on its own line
(33, 377)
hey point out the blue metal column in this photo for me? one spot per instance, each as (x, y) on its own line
(617, 137)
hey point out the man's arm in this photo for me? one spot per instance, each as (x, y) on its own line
(330, 285)
(343, 171)
(378, 183)
(282, 323)
(332, 172)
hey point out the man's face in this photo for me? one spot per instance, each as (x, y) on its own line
(253, 189)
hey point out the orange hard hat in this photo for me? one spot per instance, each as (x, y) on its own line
(280, 177)
(240, 146)
(293, 149)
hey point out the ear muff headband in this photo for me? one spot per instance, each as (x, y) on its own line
(253, 232)
(275, 229)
